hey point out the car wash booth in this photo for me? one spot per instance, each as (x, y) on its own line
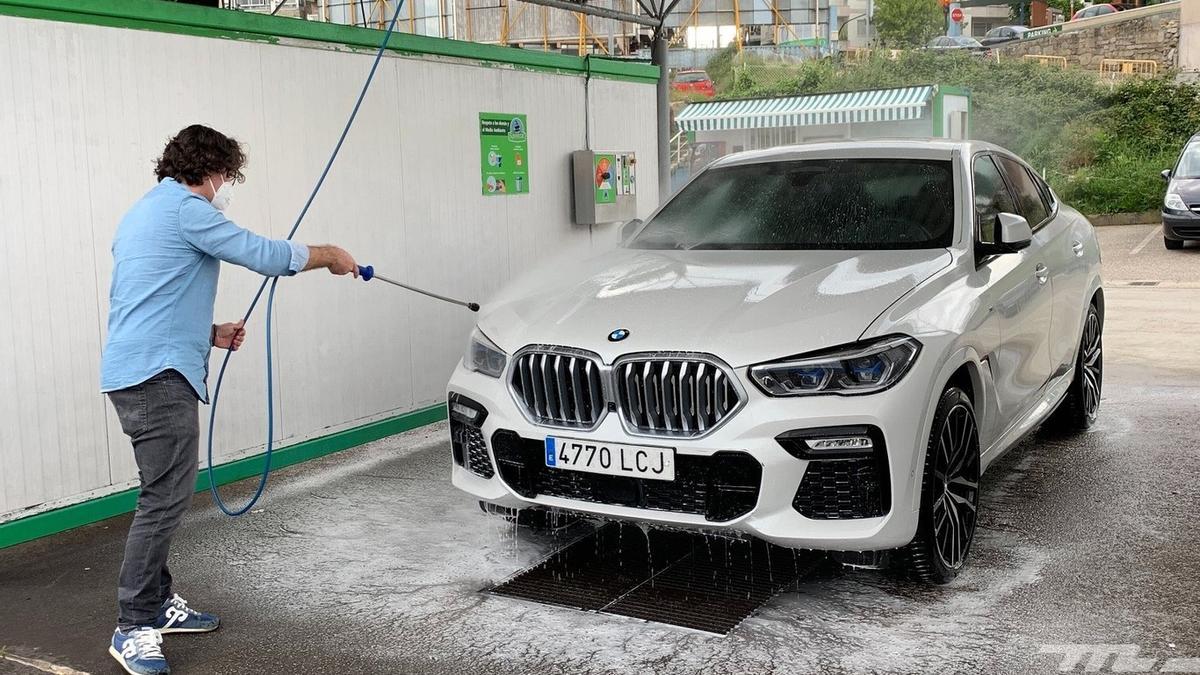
(717, 128)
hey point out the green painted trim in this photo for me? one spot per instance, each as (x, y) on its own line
(171, 17)
(59, 520)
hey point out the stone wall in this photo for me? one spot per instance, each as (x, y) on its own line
(1152, 37)
(1189, 40)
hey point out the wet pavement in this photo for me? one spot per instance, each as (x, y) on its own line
(368, 561)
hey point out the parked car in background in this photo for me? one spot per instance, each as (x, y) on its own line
(693, 82)
(1002, 34)
(1181, 206)
(960, 43)
(1096, 10)
(822, 346)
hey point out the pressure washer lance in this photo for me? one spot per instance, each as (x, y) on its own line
(368, 273)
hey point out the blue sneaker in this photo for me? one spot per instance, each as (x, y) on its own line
(138, 651)
(176, 617)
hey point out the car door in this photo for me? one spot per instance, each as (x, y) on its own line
(1019, 295)
(1063, 255)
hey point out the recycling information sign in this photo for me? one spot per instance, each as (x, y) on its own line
(504, 153)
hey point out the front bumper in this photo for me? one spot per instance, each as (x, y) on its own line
(774, 513)
(1180, 225)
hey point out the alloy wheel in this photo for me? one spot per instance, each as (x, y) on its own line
(1092, 364)
(956, 487)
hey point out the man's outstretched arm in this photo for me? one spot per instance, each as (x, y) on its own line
(332, 258)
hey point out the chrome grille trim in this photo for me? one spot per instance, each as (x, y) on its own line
(679, 395)
(558, 387)
(658, 394)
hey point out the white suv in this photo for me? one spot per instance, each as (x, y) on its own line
(823, 346)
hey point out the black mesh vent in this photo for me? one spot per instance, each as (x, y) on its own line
(834, 489)
(470, 450)
(721, 487)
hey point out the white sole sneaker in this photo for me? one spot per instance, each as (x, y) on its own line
(117, 655)
(168, 631)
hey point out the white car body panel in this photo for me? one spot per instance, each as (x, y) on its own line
(1012, 333)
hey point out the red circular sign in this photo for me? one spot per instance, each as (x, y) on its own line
(956, 15)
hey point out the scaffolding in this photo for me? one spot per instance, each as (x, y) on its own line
(554, 26)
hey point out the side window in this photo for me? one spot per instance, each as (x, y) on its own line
(1029, 199)
(1044, 190)
(991, 199)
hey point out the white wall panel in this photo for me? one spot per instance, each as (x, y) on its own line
(84, 111)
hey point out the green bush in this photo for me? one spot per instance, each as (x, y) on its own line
(1101, 145)
(1127, 182)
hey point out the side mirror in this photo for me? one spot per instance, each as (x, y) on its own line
(630, 228)
(1012, 232)
(1166, 174)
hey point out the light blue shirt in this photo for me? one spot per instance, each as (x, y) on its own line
(167, 257)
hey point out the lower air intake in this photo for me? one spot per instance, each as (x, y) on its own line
(841, 489)
(470, 449)
(720, 487)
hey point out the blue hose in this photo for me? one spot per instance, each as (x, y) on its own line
(212, 416)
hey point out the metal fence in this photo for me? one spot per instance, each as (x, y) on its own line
(1059, 62)
(1115, 68)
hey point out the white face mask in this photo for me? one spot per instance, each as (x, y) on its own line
(222, 195)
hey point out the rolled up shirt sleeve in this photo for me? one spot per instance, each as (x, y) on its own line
(299, 257)
(209, 231)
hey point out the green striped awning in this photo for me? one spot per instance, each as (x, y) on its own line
(882, 105)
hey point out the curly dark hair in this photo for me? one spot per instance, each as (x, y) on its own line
(198, 152)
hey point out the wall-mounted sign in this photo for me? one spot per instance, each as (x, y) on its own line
(504, 153)
(1042, 32)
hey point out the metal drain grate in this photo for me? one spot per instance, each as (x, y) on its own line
(710, 584)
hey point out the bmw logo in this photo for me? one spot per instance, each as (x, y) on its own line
(618, 335)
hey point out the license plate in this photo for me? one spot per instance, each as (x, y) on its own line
(613, 459)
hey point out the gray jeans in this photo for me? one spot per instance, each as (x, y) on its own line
(161, 418)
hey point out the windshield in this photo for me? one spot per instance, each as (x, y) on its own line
(1189, 162)
(817, 204)
(691, 77)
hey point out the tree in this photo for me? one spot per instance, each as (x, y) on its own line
(908, 23)
(1018, 10)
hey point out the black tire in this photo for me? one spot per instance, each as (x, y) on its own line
(949, 494)
(1080, 407)
(1173, 244)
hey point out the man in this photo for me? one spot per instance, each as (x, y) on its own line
(166, 259)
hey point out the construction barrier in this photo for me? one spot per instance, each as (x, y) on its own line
(1059, 62)
(1115, 68)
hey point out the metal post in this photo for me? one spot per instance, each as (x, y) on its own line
(503, 22)
(658, 56)
(611, 28)
(953, 28)
(737, 27)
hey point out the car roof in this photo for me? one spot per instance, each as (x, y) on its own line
(917, 148)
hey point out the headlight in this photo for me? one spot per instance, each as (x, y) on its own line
(1174, 202)
(483, 356)
(861, 368)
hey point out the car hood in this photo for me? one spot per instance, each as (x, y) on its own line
(742, 306)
